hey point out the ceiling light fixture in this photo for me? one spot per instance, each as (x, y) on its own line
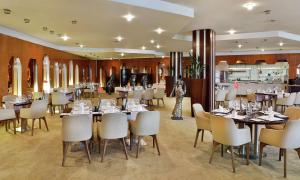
(74, 22)
(26, 20)
(162, 57)
(152, 41)
(262, 49)
(231, 31)
(51, 32)
(129, 17)
(157, 46)
(122, 54)
(6, 11)
(250, 6)
(143, 47)
(65, 37)
(119, 38)
(81, 45)
(159, 30)
(281, 44)
(240, 46)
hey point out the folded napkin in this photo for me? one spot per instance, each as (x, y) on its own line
(267, 118)
(235, 117)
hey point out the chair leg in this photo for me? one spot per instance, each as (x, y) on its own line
(99, 139)
(45, 121)
(6, 128)
(232, 159)
(284, 162)
(32, 128)
(261, 147)
(138, 146)
(40, 125)
(124, 147)
(248, 152)
(298, 151)
(163, 101)
(196, 139)
(87, 150)
(202, 136)
(156, 142)
(215, 144)
(65, 149)
(153, 142)
(104, 149)
(280, 154)
(14, 123)
(131, 141)
(222, 150)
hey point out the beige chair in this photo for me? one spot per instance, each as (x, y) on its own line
(287, 138)
(159, 95)
(293, 113)
(76, 129)
(202, 120)
(146, 124)
(138, 94)
(148, 96)
(6, 116)
(286, 101)
(225, 132)
(251, 97)
(59, 100)
(38, 111)
(220, 97)
(112, 126)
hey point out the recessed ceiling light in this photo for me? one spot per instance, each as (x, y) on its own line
(191, 50)
(159, 30)
(6, 11)
(240, 46)
(65, 37)
(281, 44)
(119, 38)
(51, 32)
(157, 46)
(122, 54)
(45, 28)
(81, 45)
(231, 31)
(74, 22)
(143, 47)
(26, 20)
(262, 49)
(152, 41)
(250, 6)
(162, 56)
(129, 17)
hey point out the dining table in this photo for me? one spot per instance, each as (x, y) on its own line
(253, 120)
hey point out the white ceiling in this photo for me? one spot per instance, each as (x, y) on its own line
(100, 21)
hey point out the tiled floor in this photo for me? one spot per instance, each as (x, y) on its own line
(39, 157)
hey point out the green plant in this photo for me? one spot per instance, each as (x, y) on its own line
(197, 68)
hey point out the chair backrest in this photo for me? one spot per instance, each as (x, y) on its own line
(138, 94)
(290, 99)
(197, 108)
(38, 95)
(291, 135)
(220, 95)
(148, 94)
(6, 114)
(9, 98)
(160, 93)
(39, 108)
(59, 98)
(113, 126)
(147, 123)
(223, 130)
(297, 99)
(107, 102)
(77, 128)
(231, 95)
(292, 112)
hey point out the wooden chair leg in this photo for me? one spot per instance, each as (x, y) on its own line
(6, 128)
(40, 125)
(86, 145)
(298, 151)
(280, 154)
(138, 146)
(45, 121)
(215, 144)
(32, 127)
(222, 150)
(232, 159)
(104, 149)
(261, 147)
(202, 136)
(157, 147)
(153, 142)
(248, 152)
(65, 149)
(196, 139)
(284, 162)
(124, 147)
(14, 123)
(131, 140)
(99, 140)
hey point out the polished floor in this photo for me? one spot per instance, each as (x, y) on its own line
(39, 157)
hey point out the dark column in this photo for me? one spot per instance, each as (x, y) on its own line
(204, 41)
(176, 65)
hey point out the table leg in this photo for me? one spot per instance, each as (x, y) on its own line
(255, 140)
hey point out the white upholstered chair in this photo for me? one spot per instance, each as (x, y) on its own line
(287, 138)
(225, 132)
(148, 96)
(202, 120)
(159, 95)
(146, 124)
(77, 128)
(6, 116)
(220, 97)
(38, 95)
(293, 113)
(38, 111)
(286, 101)
(112, 126)
(59, 99)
